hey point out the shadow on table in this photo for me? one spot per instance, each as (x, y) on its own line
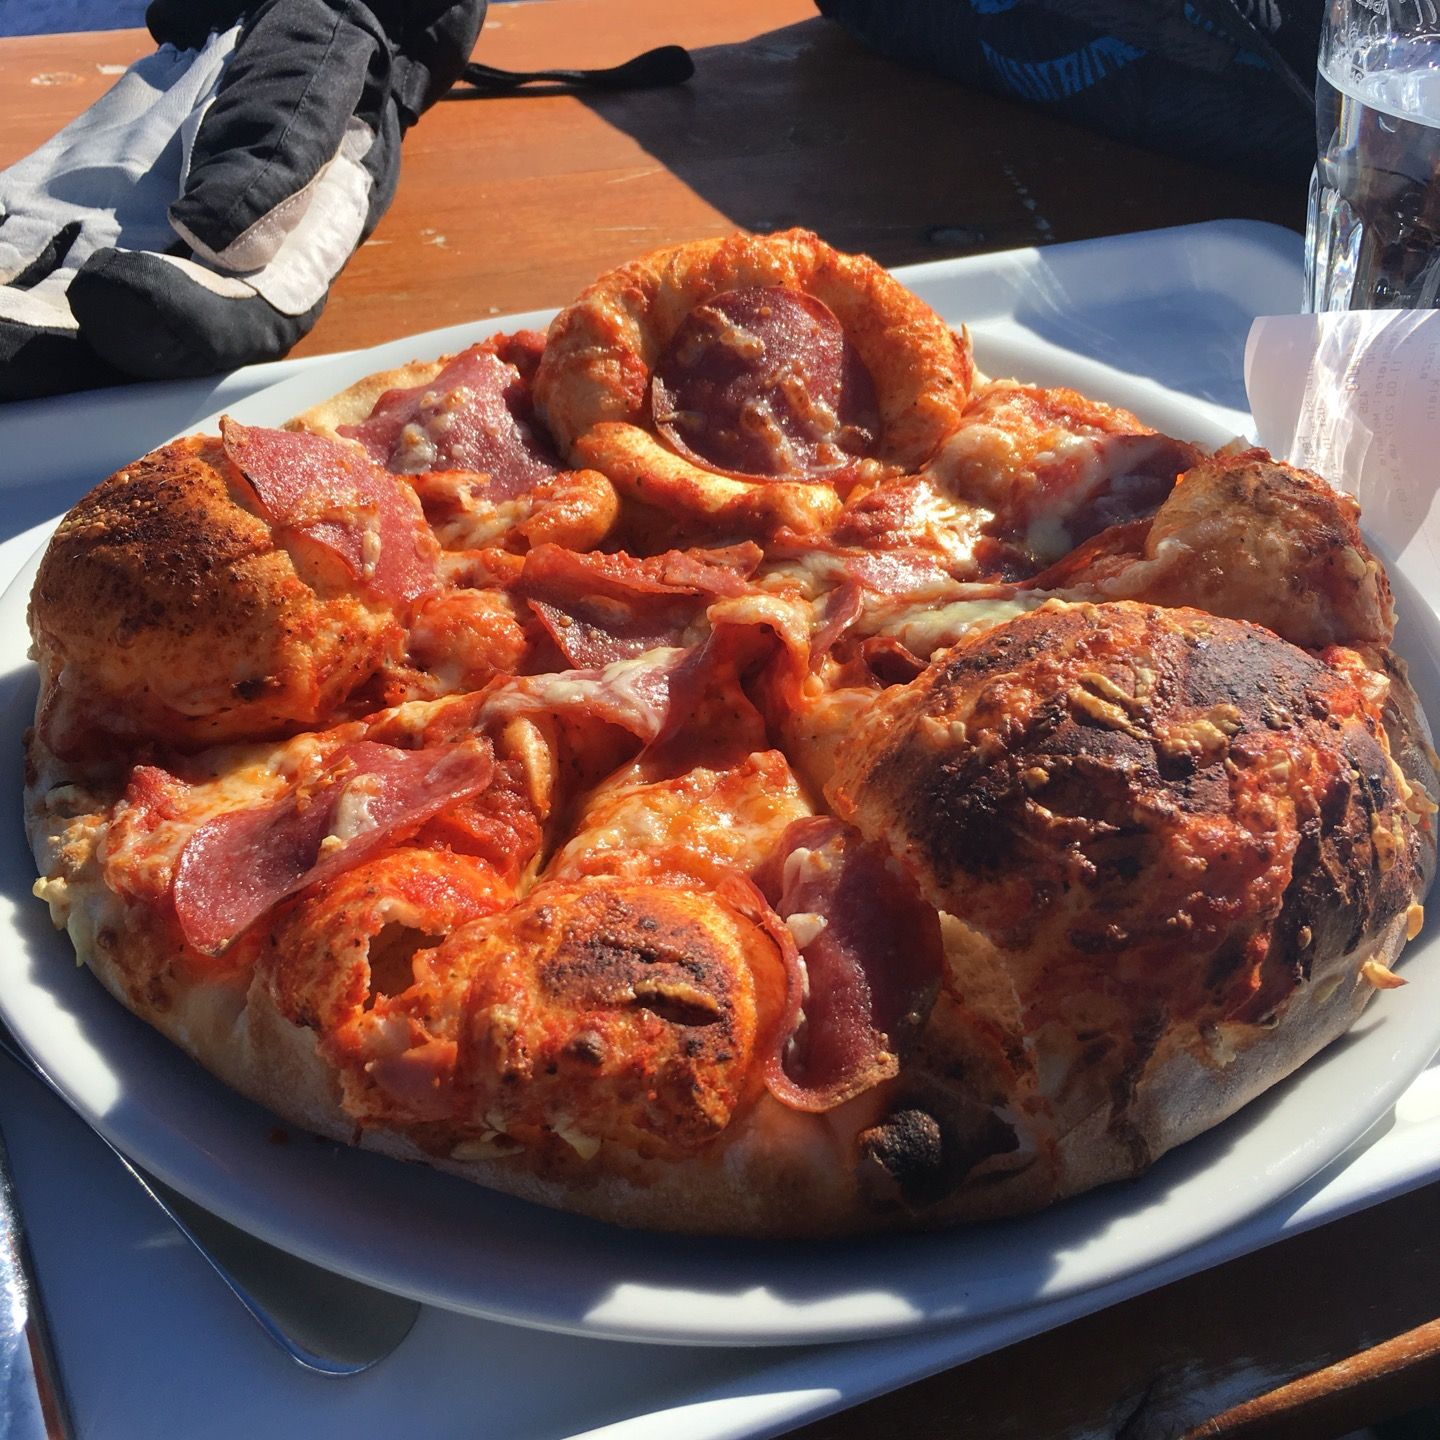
(788, 128)
(802, 125)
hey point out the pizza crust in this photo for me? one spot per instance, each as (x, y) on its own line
(777, 1172)
(168, 604)
(352, 405)
(593, 384)
(781, 1173)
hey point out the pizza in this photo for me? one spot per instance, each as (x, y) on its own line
(728, 765)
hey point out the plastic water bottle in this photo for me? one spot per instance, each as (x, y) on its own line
(1373, 228)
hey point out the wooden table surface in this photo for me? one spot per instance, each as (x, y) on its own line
(514, 204)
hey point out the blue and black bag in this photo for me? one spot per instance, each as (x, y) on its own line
(1222, 82)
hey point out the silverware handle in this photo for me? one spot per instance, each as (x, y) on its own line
(32, 1402)
(325, 1322)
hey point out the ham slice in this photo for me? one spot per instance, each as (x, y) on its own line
(841, 608)
(329, 492)
(638, 695)
(762, 381)
(914, 574)
(600, 608)
(653, 694)
(872, 960)
(474, 415)
(906, 571)
(241, 864)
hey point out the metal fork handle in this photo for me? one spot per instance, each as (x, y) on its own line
(32, 1399)
(378, 1326)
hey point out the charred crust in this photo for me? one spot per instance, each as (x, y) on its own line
(1343, 890)
(920, 1154)
(1075, 804)
(968, 808)
(617, 1011)
(614, 951)
(152, 541)
(1411, 747)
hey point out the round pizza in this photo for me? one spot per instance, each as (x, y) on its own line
(727, 765)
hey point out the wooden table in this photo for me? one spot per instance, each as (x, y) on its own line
(513, 204)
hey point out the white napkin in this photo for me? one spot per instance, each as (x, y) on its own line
(1355, 396)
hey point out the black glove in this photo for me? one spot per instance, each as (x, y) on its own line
(193, 219)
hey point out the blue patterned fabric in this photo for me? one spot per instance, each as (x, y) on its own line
(1224, 82)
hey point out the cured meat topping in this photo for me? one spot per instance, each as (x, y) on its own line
(763, 381)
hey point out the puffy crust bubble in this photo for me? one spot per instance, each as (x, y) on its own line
(593, 384)
(166, 608)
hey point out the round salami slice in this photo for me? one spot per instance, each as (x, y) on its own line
(474, 415)
(241, 863)
(762, 381)
(872, 958)
(323, 489)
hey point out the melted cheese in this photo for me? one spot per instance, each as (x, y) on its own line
(414, 451)
(353, 814)
(560, 690)
(926, 630)
(805, 926)
(144, 856)
(55, 892)
(952, 524)
(808, 575)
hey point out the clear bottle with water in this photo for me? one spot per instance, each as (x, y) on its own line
(1373, 228)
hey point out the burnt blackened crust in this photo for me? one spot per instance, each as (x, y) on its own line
(626, 1012)
(971, 807)
(922, 1153)
(1066, 777)
(613, 953)
(1412, 747)
(1346, 888)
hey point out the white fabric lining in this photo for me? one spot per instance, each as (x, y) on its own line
(114, 168)
(227, 287)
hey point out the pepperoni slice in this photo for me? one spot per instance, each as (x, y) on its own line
(654, 694)
(762, 381)
(604, 607)
(474, 415)
(873, 958)
(323, 489)
(242, 863)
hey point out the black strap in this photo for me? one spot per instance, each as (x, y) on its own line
(667, 65)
